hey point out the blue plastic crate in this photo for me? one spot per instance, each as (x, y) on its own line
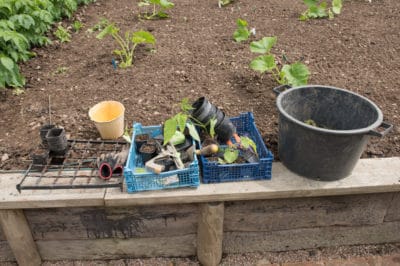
(213, 172)
(138, 179)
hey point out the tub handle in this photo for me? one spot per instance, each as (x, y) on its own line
(387, 128)
(278, 90)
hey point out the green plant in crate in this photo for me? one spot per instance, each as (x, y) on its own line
(318, 9)
(62, 34)
(295, 74)
(158, 8)
(127, 44)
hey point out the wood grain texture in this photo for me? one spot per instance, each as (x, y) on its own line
(369, 176)
(10, 198)
(210, 233)
(6, 253)
(19, 237)
(281, 214)
(305, 238)
(393, 212)
(94, 223)
(2, 237)
(181, 246)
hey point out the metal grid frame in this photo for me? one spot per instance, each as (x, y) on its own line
(76, 169)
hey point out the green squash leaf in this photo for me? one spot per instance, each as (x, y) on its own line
(170, 126)
(230, 155)
(263, 46)
(295, 74)
(143, 37)
(337, 6)
(193, 132)
(263, 63)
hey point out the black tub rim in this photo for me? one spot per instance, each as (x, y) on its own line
(364, 130)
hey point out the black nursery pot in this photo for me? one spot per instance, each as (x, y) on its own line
(40, 156)
(140, 140)
(43, 132)
(57, 140)
(148, 151)
(225, 130)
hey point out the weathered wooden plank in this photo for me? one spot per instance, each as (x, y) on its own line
(210, 233)
(19, 237)
(93, 223)
(180, 246)
(2, 237)
(10, 198)
(6, 253)
(238, 242)
(393, 212)
(369, 176)
(281, 214)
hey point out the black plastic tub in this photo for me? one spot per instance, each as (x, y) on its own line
(345, 122)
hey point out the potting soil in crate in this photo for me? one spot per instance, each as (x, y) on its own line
(139, 179)
(213, 172)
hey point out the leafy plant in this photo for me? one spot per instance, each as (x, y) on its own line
(242, 33)
(180, 122)
(77, 25)
(231, 153)
(128, 44)
(158, 8)
(62, 34)
(318, 9)
(295, 74)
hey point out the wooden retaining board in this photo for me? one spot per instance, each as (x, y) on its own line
(119, 223)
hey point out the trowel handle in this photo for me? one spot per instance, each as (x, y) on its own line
(208, 150)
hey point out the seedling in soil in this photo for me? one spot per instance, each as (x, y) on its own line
(127, 45)
(77, 26)
(62, 34)
(318, 9)
(295, 74)
(222, 3)
(60, 70)
(158, 8)
(242, 33)
(103, 23)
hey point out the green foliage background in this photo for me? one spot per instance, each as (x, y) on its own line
(23, 25)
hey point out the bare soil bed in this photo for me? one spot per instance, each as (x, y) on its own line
(196, 56)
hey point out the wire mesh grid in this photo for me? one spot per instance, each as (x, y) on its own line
(75, 169)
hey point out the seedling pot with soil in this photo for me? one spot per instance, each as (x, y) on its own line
(329, 152)
(43, 132)
(57, 141)
(40, 157)
(140, 140)
(148, 151)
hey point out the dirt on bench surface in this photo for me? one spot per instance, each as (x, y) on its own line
(196, 56)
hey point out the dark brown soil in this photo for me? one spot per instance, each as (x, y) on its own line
(196, 56)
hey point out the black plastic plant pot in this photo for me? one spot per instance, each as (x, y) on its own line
(204, 111)
(43, 133)
(148, 151)
(40, 157)
(140, 140)
(225, 130)
(250, 156)
(56, 140)
(345, 122)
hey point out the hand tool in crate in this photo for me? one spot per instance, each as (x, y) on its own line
(158, 163)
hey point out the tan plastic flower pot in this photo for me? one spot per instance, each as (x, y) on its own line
(108, 117)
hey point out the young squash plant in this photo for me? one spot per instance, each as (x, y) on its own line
(62, 34)
(242, 33)
(295, 74)
(158, 8)
(128, 44)
(318, 9)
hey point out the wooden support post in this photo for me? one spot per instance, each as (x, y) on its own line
(19, 237)
(210, 233)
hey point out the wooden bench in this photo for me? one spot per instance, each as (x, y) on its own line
(287, 212)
